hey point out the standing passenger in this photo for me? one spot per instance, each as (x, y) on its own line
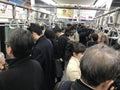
(61, 46)
(73, 68)
(2, 61)
(100, 70)
(43, 53)
(23, 72)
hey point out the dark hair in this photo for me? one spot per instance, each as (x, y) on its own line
(69, 25)
(78, 48)
(50, 34)
(68, 32)
(21, 42)
(94, 36)
(99, 64)
(57, 29)
(73, 47)
(35, 28)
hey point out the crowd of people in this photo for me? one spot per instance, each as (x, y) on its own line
(74, 57)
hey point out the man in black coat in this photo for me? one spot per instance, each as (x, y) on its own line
(43, 52)
(23, 72)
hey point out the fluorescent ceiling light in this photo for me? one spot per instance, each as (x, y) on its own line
(51, 2)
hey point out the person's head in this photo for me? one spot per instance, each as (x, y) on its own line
(104, 39)
(50, 34)
(19, 44)
(100, 64)
(2, 60)
(36, 31)
(57, 30)
(68, 32)
(94, 37)
(78, 50)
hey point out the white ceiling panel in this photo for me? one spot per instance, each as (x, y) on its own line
(81, 2)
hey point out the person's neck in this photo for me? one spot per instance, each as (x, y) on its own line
(60, 34)
(78, 57)
(39, 37)
(93, 88)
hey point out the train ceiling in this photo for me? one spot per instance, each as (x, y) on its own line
(81, 2)
(77, 2)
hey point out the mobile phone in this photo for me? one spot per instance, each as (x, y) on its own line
(116, 84)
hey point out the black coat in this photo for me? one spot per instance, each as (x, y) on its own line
(43, 52)
(23, 74)
(78, 85)
(62, 43)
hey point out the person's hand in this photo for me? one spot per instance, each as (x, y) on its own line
(105, 86)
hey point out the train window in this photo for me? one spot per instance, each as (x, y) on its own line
(118, 20)
(111, 19)
(113, 34)
(47, 16)
(42, 15)
(107, 18)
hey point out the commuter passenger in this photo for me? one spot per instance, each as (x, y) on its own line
(73, 68)
(96, 66)
(52, 37)
(74, 33)
(104, 39)
(61, 45)
(100, 68)
(93, 40)
(2, 61)
(43, 53)
(23, 73)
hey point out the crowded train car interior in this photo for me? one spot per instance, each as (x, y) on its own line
(71, 44)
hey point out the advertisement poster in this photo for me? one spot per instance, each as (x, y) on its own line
(65, 13)
(22, 2)
(21, 13)
(5, 11)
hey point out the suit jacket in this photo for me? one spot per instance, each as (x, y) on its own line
(23, 74)
(43, 52)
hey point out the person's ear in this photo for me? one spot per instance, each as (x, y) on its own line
(74, 54)
(105, 85)
(9, 51)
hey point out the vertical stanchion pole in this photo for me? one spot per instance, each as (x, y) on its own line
(78, 14)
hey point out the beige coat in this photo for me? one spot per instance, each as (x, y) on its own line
(73, 69)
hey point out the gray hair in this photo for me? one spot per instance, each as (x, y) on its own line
(99, 64)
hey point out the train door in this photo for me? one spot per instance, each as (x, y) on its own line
(2, 39)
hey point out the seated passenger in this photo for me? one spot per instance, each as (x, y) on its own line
(73, 68)
(23, 72)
